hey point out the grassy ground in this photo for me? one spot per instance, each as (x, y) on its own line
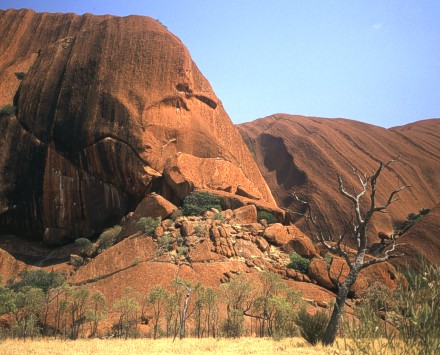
(163, 346)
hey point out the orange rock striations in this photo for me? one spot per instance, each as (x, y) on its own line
(104, 102)
(305, 154)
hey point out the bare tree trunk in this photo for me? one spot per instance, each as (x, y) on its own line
(333, 324)
(185, 309)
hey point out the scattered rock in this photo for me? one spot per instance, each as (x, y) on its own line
(151, 206)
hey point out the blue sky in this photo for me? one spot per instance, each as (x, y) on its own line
(376, 61)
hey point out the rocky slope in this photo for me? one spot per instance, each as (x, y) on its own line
(304, 154)
(210, 249)
(104, 103)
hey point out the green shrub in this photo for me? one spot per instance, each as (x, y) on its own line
(312, 327)
(218, 217)
(328, 258)
(182, 251)
(20, 75)
(200, 231)
(176, 214)
(269, 217)
(198, 202)
(165, 241)
(108, 237)
(411, 309)
(299, 263)
(147, 225)
(85, 245)
(7, 110)
(412, 218)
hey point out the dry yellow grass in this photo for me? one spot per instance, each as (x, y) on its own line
(163, 346)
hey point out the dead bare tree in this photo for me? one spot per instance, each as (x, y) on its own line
(357, 229)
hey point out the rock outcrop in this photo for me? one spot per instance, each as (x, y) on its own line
(304, 155)
(104, 103)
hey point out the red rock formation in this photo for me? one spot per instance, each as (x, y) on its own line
(422, 239)
(104, 103)
(304, 154)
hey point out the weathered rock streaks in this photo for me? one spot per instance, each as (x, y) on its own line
(304, 154)
(104, 103)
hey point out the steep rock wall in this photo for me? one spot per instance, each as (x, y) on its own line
(305, 154)
(104, 102)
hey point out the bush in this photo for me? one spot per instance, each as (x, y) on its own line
(85, 245)
(312, 327)
(147, 225)
(299, 263)
(198, 202)
(182, 251)
(269, 217)
(176, 214)
(20, 75)
(108, 237)
(412, 218)
(200, 230)
(412, 319)
(7, 110)
(164, 241)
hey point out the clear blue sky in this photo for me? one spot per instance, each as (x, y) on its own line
(375, 61)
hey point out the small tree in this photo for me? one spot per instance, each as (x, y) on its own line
(96, 312)
(127, 307)
(157, 300)
(357, 229)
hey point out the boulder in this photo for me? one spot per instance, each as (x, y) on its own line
(277, 234)
(185, 173)
(318, 272)
(302, 245)
(201, 252)
(262, 244)
(245, 215)
(154, 206)
(246, 249)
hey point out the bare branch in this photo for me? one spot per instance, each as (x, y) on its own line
(387, 256)
(391, 198)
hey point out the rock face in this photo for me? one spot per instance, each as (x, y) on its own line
(104, 103)
(421, 239)
(304, 155)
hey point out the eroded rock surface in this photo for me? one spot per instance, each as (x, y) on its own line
(305, 154)
(104, 103)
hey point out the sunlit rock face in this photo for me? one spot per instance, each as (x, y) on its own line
(104, 102)
(304, 155)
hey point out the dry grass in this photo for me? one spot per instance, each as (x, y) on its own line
(163, 346)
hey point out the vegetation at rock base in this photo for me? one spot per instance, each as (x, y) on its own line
(412, 218)
(356, 229)
(108, 238)
(198, 202)
(147, 225)
(404, 321)
(297, 262)
(20, 75)
(269, 217)
(85, 245)
(7, 110)
(312, 326)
